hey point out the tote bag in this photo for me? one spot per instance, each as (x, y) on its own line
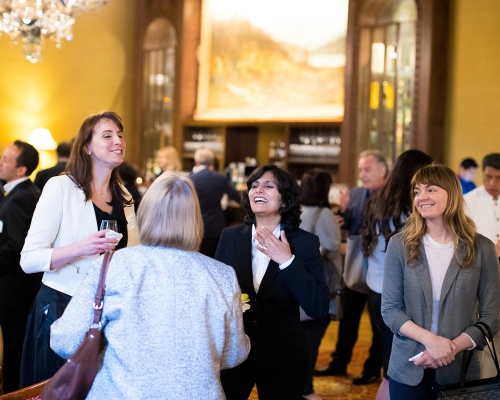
(487, 389)
(355, 265)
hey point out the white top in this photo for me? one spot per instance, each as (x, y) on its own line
(375, 271)
(485, 212)
(62, 217)
(438, 257)
(260, 261)
(172, 320)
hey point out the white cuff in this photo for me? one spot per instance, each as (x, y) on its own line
(287, 263)
(473, 343)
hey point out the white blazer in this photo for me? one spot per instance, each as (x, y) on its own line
(63, 217)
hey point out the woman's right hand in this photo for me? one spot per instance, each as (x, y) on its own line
(96, 243)
(426, 361)
(440, 349)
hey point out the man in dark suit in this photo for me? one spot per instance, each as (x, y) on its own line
(210, 187)
(17, 289)
(63, 151)
(373, 170)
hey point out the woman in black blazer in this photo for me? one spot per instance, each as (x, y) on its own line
(279, 267)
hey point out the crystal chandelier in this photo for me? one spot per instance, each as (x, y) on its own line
(33, 21)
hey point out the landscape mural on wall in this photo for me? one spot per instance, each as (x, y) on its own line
(272, 60)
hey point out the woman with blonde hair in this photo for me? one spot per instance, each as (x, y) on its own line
(172, 317)
(168, 159)
(440, 278)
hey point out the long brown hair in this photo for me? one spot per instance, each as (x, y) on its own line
(80, 165)
(392, 202)
(461, 226)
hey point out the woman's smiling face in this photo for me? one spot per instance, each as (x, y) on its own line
(265, 199)
(430, 201)
(107, 146)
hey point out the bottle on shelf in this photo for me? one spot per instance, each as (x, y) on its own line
(272, 149)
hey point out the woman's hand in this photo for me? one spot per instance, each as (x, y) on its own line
(277, 250)
(97, 243)
(440, 349)
(426, 361)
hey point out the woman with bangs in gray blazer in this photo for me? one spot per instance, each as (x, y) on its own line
(440, 278)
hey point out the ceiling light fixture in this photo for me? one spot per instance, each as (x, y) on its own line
(34, 21)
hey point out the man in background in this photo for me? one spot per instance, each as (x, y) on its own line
(483, 206)
(210, 187)
(63, 151)
(373, 171)
(17, 289)
(468, 168)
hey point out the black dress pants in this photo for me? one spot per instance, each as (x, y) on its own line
(378, 324)
(315, 330)
(354, 304)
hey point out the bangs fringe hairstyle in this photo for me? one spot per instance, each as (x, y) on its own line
(169, 215)
(289, 190)
(461, 226)
(80, 165)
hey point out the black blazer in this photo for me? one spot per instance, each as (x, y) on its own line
(43, 176)
(16, 211)
(210, 187)
(273, 320)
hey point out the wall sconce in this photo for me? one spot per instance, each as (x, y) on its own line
(41, 139)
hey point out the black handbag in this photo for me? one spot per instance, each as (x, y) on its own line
(488, 388)
(75, 378)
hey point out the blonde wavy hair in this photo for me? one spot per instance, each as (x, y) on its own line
(460, 225)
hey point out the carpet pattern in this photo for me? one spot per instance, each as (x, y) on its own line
(340, 387)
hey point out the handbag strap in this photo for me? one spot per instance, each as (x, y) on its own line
(486, 332)
(315, 219)
(101, 286)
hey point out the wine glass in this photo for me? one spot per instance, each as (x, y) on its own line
(109, 224)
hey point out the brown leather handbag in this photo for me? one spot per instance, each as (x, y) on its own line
(75, 378)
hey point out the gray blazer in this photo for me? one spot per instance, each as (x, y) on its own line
(467, 296)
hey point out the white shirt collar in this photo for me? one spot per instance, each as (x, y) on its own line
(198, 168)
(12, 184)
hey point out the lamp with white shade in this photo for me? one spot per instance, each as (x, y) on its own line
(42, 140)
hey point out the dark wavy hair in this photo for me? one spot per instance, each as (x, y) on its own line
(315, 186)
(289, 190)
(80, 164)
(392, 201)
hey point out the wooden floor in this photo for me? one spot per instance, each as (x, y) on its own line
(340, 388)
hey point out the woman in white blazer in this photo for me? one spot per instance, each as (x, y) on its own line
(440, 278)
(64, 236)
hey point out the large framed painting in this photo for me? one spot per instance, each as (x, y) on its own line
(272, 60)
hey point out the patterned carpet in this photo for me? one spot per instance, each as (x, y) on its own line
(340, 388)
